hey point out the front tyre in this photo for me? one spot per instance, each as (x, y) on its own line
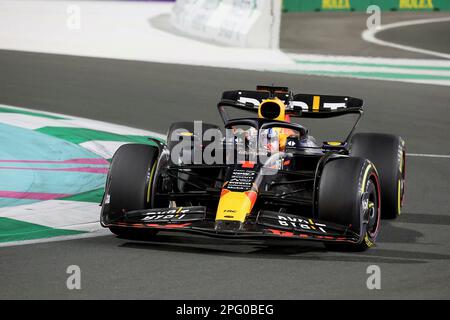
(128, 185)
(349, 195)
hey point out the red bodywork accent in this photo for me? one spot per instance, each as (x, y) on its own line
(169, 226)
(248, 164)
(282, 233)
(252, 195)
(153, 225)
(289, 234)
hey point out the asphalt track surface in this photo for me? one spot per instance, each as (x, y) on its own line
(413, 252)
(339, 33)
(437, 36)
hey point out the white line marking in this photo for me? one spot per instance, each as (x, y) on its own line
(395, 62)
(369, 36)
(355, 76)
(99, 233)
(428, 155)
(335, 68)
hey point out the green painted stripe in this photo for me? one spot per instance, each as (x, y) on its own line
(375, 75)
(80, 135)
(94, 196)
(375, 65)
(15, 230)
(29, 113)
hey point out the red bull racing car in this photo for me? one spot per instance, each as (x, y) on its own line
(260, 177)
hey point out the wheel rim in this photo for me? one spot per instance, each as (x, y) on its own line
(401, 184)
(372, 207)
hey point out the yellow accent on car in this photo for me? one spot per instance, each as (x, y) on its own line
(234, 206)
(186, 134)
(316, 103)
(311, 224)
(334, 143)
(282, 114)
(152, 172)
(401, 163)
(366, 173)
(368, 242)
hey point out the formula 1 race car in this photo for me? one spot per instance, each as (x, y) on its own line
(260, 177)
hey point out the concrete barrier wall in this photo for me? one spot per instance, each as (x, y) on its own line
(361, 5)
(237, 23)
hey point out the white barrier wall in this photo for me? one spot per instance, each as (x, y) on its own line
(237, 23)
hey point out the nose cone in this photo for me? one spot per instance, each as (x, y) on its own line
(235, 206)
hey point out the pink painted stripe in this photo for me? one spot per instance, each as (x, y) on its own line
(32, 195)
(99, 161)
(79, 169)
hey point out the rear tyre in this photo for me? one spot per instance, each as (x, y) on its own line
(387, 152)
(349, 195)
(129, 185)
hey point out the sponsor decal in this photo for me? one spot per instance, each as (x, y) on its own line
(299, 223)
(303, 105)
(334, 106)
(416, 4)
(245, 100)
(335, 4)
(241, 180)
(171, 214)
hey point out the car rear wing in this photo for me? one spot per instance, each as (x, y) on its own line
(324, 106)
(299, 105)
